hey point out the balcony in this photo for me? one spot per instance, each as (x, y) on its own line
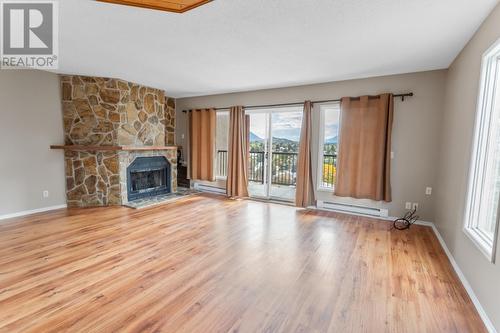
(284, 172)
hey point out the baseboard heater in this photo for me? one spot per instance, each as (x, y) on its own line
(209, 188)
(353, 209)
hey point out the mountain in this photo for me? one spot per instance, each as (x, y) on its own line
(332, 140)
(254, 137)
(283, 141)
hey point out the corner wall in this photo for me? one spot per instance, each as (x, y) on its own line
(416, 128)
(456, 142)
(30, 121)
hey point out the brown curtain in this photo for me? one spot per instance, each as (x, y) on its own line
(202, 144)
(237, 168)
(364, 155)
(304, 195)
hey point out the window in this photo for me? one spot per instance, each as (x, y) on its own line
(481, 215)
(221, 144)
(328, 140)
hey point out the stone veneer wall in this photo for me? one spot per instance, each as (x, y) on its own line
(100, 178)
(102, 111)
(92, 178)
(110, 112)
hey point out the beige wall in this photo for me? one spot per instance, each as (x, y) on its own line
(416, 126)
(456, 140)
(30, 120)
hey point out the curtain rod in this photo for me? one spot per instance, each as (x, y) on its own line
(402, 96)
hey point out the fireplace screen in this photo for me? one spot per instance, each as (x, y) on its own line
(148, 176)
(147, 180)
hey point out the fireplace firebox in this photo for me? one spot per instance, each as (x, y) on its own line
(147, 177)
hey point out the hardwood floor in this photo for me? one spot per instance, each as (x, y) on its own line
(206, 264)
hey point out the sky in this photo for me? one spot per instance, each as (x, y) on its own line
(331, 122)
(286, 123)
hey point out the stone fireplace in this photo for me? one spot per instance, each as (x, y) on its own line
(119, 141)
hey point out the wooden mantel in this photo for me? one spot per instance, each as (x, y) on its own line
(111, 148)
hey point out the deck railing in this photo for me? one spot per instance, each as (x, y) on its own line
(284, 168)
(256, 166)
(221, 163)
(329, 170)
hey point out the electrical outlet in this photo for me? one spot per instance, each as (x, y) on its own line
(392, 155)
(415, 206)
(408, 205)
(428, 190)
(45, 194)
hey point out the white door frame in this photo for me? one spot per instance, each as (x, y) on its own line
(268, 151)
(266, 177)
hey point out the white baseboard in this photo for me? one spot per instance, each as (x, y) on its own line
(486, 320)
(29, 212)
(425, 223)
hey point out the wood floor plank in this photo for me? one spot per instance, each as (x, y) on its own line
(208, 264)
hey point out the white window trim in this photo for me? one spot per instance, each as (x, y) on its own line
(490, 69)
(321, 146)
(218, 177)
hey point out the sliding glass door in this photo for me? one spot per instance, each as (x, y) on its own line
(274, 147)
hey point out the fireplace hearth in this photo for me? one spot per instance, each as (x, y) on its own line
(147, 177)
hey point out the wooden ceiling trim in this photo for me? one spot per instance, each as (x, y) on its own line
(178, 6)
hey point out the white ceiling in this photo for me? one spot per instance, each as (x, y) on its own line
(236, 45)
